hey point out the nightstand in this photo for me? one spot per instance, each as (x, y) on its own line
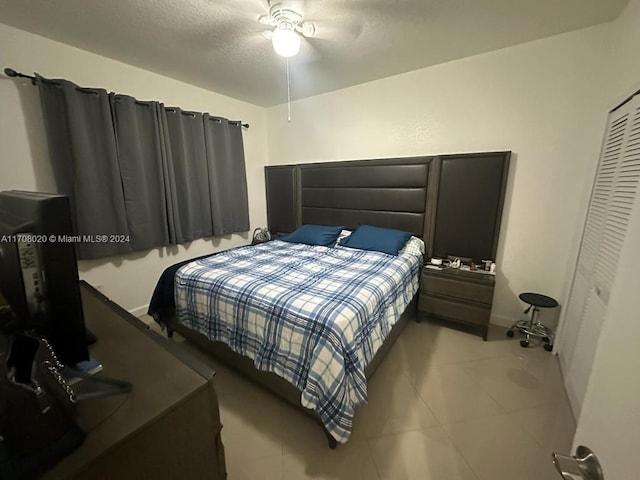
(457, 296)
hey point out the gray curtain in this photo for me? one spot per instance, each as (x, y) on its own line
(188, 176)
(160, 175)
(227, 176)
(83, 153)
(142, 151)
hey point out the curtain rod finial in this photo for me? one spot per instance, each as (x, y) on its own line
(10, 72)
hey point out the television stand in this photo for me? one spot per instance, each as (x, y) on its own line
(167, 427)
(93, 387)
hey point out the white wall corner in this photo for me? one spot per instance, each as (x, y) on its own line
(502, 320)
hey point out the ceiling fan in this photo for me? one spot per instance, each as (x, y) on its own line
(286, 18)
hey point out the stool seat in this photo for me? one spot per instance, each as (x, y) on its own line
(538, 300)
(532, 327)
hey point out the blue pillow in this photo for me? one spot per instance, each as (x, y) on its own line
(314, 235)
(385, 240)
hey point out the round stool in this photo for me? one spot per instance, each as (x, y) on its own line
(531, 327)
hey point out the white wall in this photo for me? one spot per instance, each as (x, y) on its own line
(542, 100)
(129, 279)
(610, 417)
(622, 67)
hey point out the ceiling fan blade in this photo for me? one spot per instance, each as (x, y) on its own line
(266, 20)
(306, 29)
(309, 51)
(338, 29)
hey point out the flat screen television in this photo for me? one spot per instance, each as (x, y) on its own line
(38, 270)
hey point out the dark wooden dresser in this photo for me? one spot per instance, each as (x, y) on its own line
(168, 427)
(457, 296)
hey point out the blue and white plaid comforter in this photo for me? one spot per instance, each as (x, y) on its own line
(313, 315)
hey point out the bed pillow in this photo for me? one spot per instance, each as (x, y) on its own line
(314, 235)
(385, 240)
(414, 247)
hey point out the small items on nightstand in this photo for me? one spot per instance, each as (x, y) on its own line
(434, 264)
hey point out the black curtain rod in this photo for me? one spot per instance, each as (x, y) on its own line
(10, 72)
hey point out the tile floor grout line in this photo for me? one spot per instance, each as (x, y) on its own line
(501, 405)
(373, 461)
(457, 421)
(424, 402)
(534, 363)
(471, 469)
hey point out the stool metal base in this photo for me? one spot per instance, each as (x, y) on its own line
(530, 327)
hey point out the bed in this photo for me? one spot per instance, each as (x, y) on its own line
(321, 367)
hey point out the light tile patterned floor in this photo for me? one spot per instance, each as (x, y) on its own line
(444, 405)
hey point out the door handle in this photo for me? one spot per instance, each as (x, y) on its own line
(584, 465)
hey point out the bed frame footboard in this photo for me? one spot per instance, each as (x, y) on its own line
(271, 381)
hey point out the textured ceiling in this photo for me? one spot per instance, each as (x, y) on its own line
(219, 44)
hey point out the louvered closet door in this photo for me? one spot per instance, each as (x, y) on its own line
(612, 200)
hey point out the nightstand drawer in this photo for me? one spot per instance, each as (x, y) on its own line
(456, 310)
(455, 288)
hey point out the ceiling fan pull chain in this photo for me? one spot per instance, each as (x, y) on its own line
(288, 93)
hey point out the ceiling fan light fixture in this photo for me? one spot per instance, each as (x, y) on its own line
(286, 42)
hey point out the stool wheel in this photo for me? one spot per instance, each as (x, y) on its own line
(524, 343)
(510, 333)
(548, 347)
(546, 339)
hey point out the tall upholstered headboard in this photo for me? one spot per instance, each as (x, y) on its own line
(390, 193)
(453, 202)
(386, 195)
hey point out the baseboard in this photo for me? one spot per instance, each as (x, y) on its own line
(574, 401)
(502, 321)
(139, 311)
